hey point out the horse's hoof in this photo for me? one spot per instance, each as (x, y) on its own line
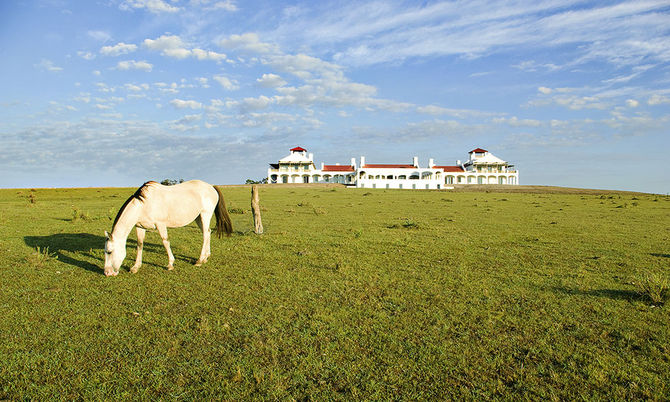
(170, 267)
(134, 270)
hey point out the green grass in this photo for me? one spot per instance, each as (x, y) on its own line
(349, 294)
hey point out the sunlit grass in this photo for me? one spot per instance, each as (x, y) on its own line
(349, 294)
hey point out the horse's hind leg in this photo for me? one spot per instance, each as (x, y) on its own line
(140, 243)
(203, 224)
(162, 231)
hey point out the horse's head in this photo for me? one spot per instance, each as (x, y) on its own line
(114, 255)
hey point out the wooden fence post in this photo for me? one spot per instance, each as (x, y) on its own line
(256, 210)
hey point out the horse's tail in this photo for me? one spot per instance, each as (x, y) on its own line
(223, 222)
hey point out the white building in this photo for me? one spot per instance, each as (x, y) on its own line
(482, 168)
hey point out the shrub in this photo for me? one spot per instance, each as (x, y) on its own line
(40, 256)
(654, 288)
(407, 224)
(78, 214)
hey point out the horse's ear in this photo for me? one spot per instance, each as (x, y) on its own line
(108, 236)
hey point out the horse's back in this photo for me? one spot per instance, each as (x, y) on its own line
(180, 204)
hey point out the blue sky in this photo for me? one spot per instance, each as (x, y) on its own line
(117, 92)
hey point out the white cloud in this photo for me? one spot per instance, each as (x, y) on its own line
(164, 42)
(304, 66)
(632, 103)
(136, 88)
(532, 66)
(516, 122)
(204, 82)
(48, 65)
(366, 33)
(153, 6)
(118, 49)
(173, 46)
(248, 42)
(270, 81)
(134, 65)
(459, 113)
(226, 83)
(657, 99)
(186, 104)
(207, 55)
(545, 90)
(86, 55)
(227, 5)
(100, 36)
(259, 103)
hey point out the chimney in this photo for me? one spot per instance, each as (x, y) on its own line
(353, 163)
(458, 162)
(431, 163)
(311, 156)
(321, 165)
(362, 161)
(415, 161)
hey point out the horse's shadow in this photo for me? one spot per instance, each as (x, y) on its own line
(67, 246)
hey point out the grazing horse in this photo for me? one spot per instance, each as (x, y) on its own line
(154, 206)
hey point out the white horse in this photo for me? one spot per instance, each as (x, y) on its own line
(154, 206)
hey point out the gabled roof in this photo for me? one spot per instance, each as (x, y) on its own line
(478, 150)
(337, 168)
(488, 158)
(295, 157)
(297, 149)
(387, 166)
(450, 168)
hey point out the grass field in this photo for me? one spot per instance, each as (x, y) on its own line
(349, 294)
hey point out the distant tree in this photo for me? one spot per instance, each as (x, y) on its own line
(264, 180)
(171, 182)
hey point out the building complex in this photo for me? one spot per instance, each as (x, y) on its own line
(482, 167)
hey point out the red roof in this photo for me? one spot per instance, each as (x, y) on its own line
(298, 149)
(382, 166)
(478, 150)
(337, 168)
(450, 168)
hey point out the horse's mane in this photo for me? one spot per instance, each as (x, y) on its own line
(139, 195)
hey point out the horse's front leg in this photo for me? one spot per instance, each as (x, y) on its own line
(162, 231)
(140, 244)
